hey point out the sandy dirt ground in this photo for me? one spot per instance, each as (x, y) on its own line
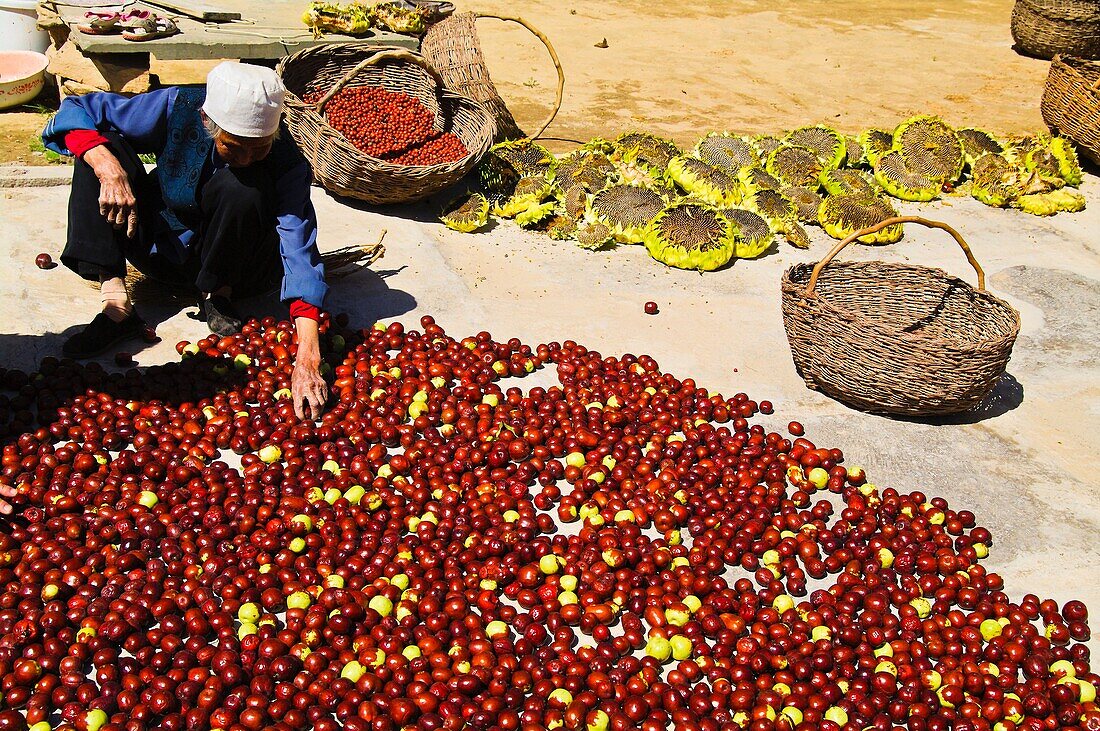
(683, 69)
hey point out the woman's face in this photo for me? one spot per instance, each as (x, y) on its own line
(240, 152)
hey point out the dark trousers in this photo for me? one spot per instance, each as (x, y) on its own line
(235, 242)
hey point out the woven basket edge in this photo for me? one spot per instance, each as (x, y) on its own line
(789, 287)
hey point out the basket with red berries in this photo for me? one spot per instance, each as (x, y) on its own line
(377, 123)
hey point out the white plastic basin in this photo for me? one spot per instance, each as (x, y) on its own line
(17, 27)
(21, 77)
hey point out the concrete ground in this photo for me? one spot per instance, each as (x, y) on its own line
(1026, 466)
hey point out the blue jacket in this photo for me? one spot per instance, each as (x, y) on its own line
(143, 121)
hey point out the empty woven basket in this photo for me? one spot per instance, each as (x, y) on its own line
(1071, 103)
(453, 49)
(1044, 28)
(893, 338)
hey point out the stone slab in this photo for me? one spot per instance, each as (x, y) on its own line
(124, 73)
(35, 176)
(267, 30)
(228, 40)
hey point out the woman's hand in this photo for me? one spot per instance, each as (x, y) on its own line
(307, 387)
(116, 198)
(8, 492)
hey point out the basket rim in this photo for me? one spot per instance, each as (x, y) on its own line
(1075, 62)
(794, 292)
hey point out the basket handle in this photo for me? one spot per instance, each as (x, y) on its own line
(395, 54)
(553, 57)
(890, 222)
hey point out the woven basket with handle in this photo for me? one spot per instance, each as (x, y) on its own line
(897, 338)
(1044, 28)
(344, 169)
(453, 48)
(1071, 103)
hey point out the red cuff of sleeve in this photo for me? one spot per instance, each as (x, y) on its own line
(301, 308)
(80, 141)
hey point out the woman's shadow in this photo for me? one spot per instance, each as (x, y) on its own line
(359, 291)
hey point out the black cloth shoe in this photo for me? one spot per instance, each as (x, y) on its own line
(101, 334)
(221, 316)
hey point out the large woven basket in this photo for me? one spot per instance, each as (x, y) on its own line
(341, 167)
(893, 338)
(452, 47)
(1071, 103)
(1045, 28)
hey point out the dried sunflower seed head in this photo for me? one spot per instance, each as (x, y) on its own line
(559, 226)
(1055, 161)
(875, 143)
(846, 180)
(466, 213)
(795, 165)
(930, 147)
(705, 182)
(691, 236)
(806, 202)
(1042, 162)
(853, 152)
(900, 181)
(755, 179)
(528, 192)
(581, 168)
(1047, 204)
(753, 232)
(977, 142)
(592, 236)
(626, 210)
(843, 215)
(994, 180)
(535, 213)
(825, 142)
(775, 207)
(765, 144)
(795, 235)
(496, 178)
(727, 152)
(646, 151)
(526, 157)
(575, 201)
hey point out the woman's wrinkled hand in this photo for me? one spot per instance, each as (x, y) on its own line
(116, 198)
(309, 390)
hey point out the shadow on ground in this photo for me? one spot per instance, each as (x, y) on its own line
(1007, 395)
(361, 293)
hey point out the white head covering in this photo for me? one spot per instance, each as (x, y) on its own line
(244, 99)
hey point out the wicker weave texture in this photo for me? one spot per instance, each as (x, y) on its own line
(1045, 28)
(897, 339)
(344, 169)
(1071, 103)
(453, 48)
